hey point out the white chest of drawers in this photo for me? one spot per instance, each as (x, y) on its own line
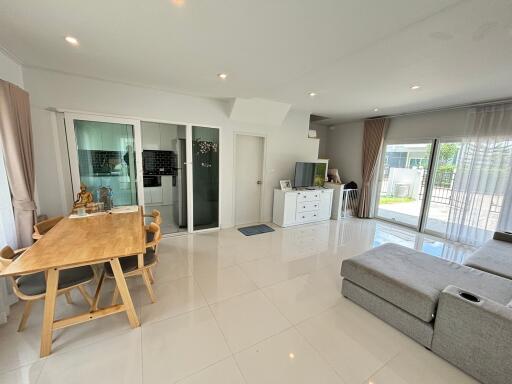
(300, 207)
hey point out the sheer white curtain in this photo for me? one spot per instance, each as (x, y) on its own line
(7, 237)
(481, 198)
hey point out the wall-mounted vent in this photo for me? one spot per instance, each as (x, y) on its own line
(316, 118)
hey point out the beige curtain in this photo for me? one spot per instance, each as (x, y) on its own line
(373, 138)
(16, 141)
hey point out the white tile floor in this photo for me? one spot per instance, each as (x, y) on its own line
(236, 309)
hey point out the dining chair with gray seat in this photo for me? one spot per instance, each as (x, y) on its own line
(32, 286)
(137, 265)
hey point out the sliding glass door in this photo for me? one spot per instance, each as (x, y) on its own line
(444, 171)
(446, 187)
(105, 158)
(403, 182)
(165, 173)
(205, 177)
(170, 167)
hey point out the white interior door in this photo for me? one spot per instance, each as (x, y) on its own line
(248, 178)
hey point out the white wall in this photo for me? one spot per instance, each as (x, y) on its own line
(321, 135)
(286, 144)
(345, 141)
(10, 70)
(344, 149)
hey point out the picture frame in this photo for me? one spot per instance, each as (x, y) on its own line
(286, 185)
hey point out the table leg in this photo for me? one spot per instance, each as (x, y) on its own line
(52, 282)
(94, 305)
(124, 292)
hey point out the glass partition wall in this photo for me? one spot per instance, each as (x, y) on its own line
(170, 167)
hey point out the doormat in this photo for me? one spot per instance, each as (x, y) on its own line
(255, 229)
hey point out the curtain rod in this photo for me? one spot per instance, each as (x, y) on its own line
(449, 108)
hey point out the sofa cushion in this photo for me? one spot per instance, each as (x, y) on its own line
(495, 257)
(413, 280)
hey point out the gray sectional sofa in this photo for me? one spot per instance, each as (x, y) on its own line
(463, 313)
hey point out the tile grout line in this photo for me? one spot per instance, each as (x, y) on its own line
(141, 350)
(225, 339)
(295, 327)
(40, 372)
(381, 367)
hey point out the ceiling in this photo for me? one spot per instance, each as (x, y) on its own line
(356, 55)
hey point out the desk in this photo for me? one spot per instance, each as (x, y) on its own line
(83, 241)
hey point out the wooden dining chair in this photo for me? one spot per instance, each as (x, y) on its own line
(44, 226)
(157, 219)
(33, 286)
(136, 265)
(155, 216)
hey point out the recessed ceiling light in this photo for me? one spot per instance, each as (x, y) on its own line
(291, 355)
(375, 109)
(415, 87)
(72, 40)
(178, 3)
(222, 76)
(312, 94)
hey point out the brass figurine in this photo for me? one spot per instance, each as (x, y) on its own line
(84, 197)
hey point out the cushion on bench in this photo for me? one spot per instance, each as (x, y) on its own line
(413, 280)
(495, 257)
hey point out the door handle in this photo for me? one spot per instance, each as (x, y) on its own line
(259, 182)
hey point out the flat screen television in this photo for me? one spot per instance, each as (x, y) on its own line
(309, 175)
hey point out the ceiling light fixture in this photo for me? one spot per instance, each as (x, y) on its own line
(312, 94)
(178, 3)
(375, 109)
(72, 40)
(415, 87)
(222, 76)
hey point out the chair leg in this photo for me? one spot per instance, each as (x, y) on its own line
(115, 296)
(26, 313)
(69, 299)
(151, 277)
(147, 282)
(85, 294)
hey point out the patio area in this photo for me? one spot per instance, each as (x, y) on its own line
(437, 215)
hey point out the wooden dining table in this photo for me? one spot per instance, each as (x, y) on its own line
(75, 242)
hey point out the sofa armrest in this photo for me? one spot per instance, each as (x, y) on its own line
(475, 334)
(503, 236)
